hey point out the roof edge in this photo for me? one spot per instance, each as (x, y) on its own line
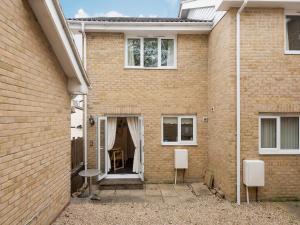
(52, 21)
(225, 5)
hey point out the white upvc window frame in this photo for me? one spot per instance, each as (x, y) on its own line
(277, 150)
(159, 66)
(180, 142)
(286, 50)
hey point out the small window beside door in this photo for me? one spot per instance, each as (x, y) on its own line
(279, 134)
(179, 130)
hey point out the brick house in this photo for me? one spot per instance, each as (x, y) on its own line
(40, 70)
(221, 80)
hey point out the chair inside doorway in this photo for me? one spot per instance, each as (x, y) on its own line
(122, 154)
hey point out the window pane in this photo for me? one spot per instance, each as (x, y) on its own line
(170, 129)
(293, 32)
(289, 132)
(134, 47)
(150, 52)
(167, 52)
(268, 133)
(187, 129)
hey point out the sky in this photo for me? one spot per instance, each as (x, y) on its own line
(135, 8)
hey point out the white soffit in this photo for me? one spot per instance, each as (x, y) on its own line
(225, 5)
(57, 34)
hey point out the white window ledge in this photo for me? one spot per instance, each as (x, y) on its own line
(178, 144)
(290, 52)
(279, 152)
(150, 68)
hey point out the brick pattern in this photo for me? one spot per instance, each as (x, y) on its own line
(269, 83)
(34, 121)
(151, 93)
(221, 97)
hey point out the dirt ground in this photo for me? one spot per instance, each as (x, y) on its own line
(169, 204)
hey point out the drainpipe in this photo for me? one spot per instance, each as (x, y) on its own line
(85, 116)
(83, 44)
(85, 146)
(238, 102)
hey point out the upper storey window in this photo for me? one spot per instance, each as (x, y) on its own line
(150, 52)
(293, 34)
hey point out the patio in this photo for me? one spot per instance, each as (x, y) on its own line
(170, 204)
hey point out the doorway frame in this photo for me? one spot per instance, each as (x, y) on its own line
(140, 175)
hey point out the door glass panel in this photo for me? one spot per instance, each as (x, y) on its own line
(102, 144)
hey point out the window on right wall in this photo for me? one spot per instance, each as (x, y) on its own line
(279, 134)
(292, 34)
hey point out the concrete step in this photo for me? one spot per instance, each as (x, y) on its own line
(120, 184)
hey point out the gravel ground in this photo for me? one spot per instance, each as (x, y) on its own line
(203, 209)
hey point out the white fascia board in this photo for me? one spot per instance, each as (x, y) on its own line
(168, 28)
(50, 20)
(225, 5)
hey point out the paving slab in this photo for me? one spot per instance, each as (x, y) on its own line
(200, 189)
(167, 190)
(154, 199)
(292, 207)
(152, 189)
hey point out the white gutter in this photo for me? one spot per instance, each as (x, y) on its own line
(180, 24)
(168, 27)
(83, 44)
(238, 102)
(51, 19)
(70, 39)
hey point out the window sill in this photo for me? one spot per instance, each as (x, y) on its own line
(290, 52)
(179, 144)
(278, 152)
(149, 68)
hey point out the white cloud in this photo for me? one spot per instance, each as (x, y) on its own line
(81, 14)
(112, 14)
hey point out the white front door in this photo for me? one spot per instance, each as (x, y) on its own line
(102, 154)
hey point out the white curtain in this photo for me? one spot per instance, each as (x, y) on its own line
(111, 136)
(170, 53)
(289, 132)
(130, 55)
(133, 124)
(268, 133)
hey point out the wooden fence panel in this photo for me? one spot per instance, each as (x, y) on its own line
(76, 163)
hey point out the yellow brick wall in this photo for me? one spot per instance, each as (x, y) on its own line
(270, 82)
(151, 93)
(222, 106)
(34, 121)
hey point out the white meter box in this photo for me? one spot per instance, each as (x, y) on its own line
(254, 173)
(181, 159)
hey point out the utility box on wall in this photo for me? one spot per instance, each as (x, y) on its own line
(181, 159)
(254, 173)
